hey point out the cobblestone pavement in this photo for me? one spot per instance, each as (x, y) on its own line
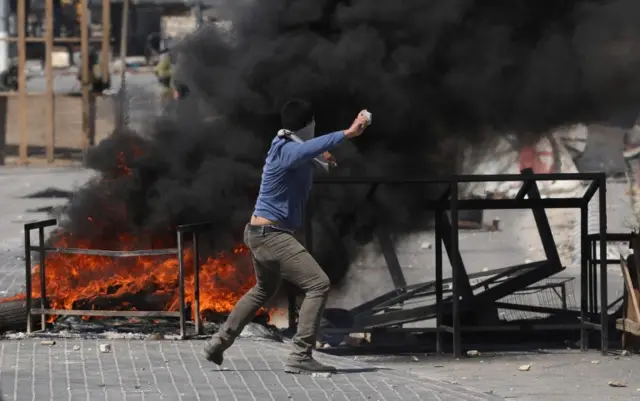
(174, 370)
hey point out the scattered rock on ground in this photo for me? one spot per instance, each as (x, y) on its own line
(256, 330)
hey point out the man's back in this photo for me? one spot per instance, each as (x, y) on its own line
(283, 190)
(287, 176)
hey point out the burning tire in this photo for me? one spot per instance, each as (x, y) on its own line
(13, 316)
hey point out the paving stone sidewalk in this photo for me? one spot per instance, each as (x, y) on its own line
(173, 370)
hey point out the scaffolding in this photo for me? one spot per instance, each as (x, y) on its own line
(48, 39)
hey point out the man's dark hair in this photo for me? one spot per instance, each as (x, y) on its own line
(296, 114)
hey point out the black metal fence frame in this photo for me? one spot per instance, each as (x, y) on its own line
(42, 249)
(450, 202)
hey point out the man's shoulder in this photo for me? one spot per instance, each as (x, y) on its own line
(274, 156)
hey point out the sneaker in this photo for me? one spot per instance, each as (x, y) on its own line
(307, 365)
(212, 352)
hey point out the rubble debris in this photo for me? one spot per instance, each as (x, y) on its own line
(625, 353)
(260, 331)
(524, 368)
(47, 342)
(105, 348)
(355, 341)
(473, 352)
(595, 362)
(615, 383)
(76, 348)
(415, 359)
(156, 337)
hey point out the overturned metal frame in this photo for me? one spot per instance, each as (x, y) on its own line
(590, 302)
(519, 277)
(44, 311)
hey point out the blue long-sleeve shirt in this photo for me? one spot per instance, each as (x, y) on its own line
(287, 177)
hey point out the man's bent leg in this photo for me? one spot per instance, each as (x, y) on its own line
(267, 283)
(303, 271)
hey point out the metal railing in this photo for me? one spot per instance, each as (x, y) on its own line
(42, 249)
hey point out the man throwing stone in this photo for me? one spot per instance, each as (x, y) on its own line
(286, 181)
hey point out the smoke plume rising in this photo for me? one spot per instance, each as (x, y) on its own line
(434, 73)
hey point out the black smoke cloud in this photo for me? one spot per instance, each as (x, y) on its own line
(433, 73)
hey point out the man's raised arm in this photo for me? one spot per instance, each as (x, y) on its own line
(294, 153)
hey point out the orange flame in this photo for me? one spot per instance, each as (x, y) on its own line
(75, 281)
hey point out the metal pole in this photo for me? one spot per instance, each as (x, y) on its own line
(4, 67)
(123, 41)
(181, 285)
(196, 283)
(594, 280)
(584, 275)
(455, 265)
(122, 105)
(86, 101)
(49, 89)
(604, 301)
(438, 240)
(27, 264)
(106, 39)
(22, 83)
(43, 279)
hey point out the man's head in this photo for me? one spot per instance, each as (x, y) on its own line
(297, 116)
